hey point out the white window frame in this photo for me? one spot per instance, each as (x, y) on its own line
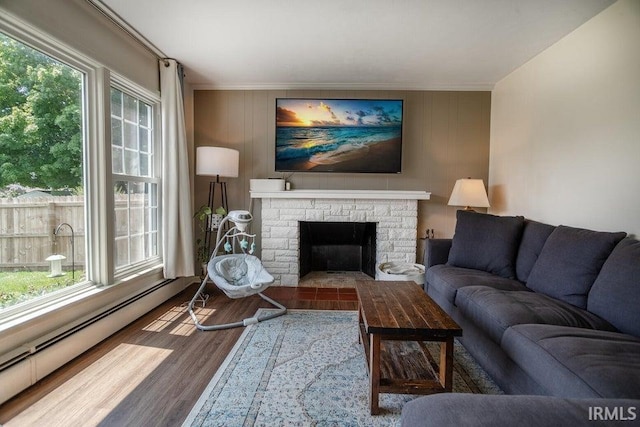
(98, 183)
(134, 90)
(90, 70)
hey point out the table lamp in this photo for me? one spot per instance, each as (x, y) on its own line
(469, 193)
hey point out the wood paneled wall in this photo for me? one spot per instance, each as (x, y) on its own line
(446, 137)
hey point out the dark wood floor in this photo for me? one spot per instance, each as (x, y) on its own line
(153, 371)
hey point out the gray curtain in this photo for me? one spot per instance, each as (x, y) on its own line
(177, 224)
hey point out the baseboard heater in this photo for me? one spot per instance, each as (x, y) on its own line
(35, 348)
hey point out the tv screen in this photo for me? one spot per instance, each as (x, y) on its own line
(338, 135)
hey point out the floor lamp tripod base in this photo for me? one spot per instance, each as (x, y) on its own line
(224, 203)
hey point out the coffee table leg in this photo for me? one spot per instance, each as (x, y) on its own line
(374, 372)
(446, 364)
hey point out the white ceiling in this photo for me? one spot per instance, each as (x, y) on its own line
(357, 44)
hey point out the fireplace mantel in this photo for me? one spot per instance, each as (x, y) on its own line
(343, 194)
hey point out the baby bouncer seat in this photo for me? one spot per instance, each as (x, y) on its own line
(238, 275)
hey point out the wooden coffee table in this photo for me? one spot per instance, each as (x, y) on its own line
(395, 320)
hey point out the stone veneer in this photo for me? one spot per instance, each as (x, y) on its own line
(396, 229)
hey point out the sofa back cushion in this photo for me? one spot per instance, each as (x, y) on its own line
(615, 295)
(570, 262)
(534, 236)
(486, 242)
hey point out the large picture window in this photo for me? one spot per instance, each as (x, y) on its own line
(136, 182)
(42, 194)
(56, 181)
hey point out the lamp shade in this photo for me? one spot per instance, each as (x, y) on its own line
(469, 193)
(217, 161)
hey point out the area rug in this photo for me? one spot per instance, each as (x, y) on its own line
(307, 368)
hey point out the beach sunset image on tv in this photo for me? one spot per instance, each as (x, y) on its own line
(339, 135)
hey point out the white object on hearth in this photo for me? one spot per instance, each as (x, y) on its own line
(400, 271)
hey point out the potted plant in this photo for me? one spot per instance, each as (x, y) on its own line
(210, 221)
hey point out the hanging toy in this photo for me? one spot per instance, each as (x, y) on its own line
(253, 248)
(244, 244)
(227, 246)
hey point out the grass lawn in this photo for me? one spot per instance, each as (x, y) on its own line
(21, 286)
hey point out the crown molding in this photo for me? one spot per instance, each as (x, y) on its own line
(346, 86)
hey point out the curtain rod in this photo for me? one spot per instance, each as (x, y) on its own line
(124, 26)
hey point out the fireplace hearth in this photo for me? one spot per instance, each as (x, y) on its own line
(337, 246)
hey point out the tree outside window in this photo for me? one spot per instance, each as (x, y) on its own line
(41, 172)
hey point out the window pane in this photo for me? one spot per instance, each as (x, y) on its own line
(116, 103)
(116, 132)
(144, 118)
(122, 252)
(144, 165)
(42, 200)
(144, 140)
(121, 207)
(130, 136)
(130, 108)
(136, 221)
(131, 166)
(116, 160)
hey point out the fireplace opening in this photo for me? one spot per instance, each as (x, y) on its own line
(337, 246)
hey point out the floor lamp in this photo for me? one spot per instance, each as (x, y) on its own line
(216, 161)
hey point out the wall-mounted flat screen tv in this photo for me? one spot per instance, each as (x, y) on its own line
(338, 135)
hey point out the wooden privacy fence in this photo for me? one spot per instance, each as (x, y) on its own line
(26, 231)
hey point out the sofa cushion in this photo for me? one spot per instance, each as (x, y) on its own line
(495, 310)
(447, 280)
(615, 295)
(575, 362)
(534, 235)
(570, 262)
(481, 410)
(486, 242)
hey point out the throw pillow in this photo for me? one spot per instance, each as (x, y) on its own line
(486, 242)
(615, 294)
(534, 235)
(569, 263)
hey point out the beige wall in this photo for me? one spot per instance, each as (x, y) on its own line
(565, 128)
(446, 137)
(77, 24)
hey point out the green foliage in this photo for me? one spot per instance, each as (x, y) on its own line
(202, 215)
(40, 119)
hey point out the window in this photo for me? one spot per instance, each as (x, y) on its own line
(42, 194)
(135, 179)
(55, 175)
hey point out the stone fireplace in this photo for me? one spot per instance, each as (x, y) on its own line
(394, 214)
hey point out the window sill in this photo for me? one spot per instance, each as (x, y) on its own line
(28, 325)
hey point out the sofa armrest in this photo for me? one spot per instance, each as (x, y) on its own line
(436, 251)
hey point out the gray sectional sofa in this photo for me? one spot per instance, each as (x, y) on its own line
(545, 310)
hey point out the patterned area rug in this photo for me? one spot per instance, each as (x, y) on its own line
(307, 368)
